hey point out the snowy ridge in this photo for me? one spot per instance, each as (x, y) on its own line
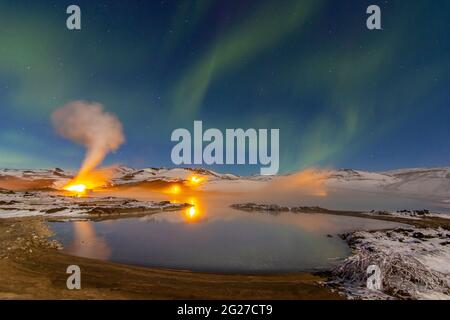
(35, 174)
(124, 175)
(424, 182)
(427, 182)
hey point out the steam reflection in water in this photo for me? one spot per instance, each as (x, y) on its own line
(87, 243)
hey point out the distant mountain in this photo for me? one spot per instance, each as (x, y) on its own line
(430, 182)
(434, 182)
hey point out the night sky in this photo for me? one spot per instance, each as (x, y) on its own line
(341, 95)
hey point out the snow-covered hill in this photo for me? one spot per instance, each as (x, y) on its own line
(123, 175)
(36, 174)
(423, 182)
(434, 181)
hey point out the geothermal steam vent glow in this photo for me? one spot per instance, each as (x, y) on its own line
(87, 124)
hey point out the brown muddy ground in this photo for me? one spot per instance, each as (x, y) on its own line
(31, 267)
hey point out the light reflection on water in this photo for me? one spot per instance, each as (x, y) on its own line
(210, 236)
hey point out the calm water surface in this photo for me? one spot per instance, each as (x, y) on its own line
(215, 238)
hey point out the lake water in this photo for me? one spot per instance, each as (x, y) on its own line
(212, 237)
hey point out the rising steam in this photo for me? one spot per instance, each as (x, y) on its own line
(310, 181)
(89, 125)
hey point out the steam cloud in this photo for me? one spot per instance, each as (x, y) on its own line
(89, 125)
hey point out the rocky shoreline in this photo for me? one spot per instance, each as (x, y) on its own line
(414, 261)
(274, 208)
(57, 206)
(419, 218)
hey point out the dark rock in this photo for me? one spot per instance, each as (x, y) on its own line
(54, 210)
(163, 203)
(418, 235)
(6, 191)
(8, 202)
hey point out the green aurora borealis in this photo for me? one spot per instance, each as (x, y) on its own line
(340, 94)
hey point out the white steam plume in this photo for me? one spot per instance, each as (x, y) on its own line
(87, 124)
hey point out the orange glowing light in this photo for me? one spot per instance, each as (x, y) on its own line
(175, 189)
(77, 188)
(90, 181)
(192, 212)
(195, 180)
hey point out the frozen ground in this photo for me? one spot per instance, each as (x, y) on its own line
(414, 262)
(409, 214)
(37, 203)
